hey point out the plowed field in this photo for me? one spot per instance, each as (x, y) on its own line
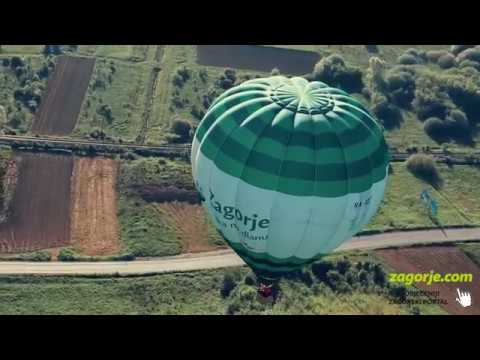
(63, 99)
(94, 224)
(40, 207)
(260, 58)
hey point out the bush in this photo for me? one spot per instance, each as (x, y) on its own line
(231, 74)
(67, 254)
(437, 129)
(398, 292)
(407, 59)
(181, 128)
(177, 80)
(16, 61)
(229, 283)
(434, 55)
(390, 115)
(226, 83)
(185, 73)
(457, 49)
(400, 86)
(333, 71)
(6, 62)
(423, 167)
(320, 269)
(446, 61)
(472, 54)
(469, 63)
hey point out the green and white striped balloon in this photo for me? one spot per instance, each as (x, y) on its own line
(288, 169)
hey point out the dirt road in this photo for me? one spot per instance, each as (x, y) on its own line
(223, 258)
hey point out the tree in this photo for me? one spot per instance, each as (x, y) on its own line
(423, 167)
(181, 128)
(228, 284)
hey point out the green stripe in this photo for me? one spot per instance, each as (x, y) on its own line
(234, 152)
(266, 262)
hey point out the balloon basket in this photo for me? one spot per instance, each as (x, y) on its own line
(265, 294)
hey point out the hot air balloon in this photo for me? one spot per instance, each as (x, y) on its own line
(288, 170)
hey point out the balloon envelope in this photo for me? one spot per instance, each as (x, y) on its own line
(288, 170)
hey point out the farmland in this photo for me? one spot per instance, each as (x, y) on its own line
(94, 224)
(40, 207)
(297, 62)
(61, 104)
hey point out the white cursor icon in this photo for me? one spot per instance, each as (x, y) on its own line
(464, 298)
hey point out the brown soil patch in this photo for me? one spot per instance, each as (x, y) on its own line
(63, 98)
(94, 223)
(440, 259)
(39, 210)
(190, 222)
(260, 58)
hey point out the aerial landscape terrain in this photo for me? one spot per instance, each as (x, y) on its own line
(96, 182)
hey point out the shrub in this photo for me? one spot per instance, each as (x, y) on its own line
(196, 112)
(472, 54)
(398, 292)
(407, 59)
(430, 99)
(469, 63)
(423, 167)
(177, 80)
(333, 71)
(16, 61)
(320, 269)
(6, 62)
(226, 83)
(434, 55)
(390, 115)
(231, 74)
(446, 61)
(185, 73)
(457, 49)
(437, 129)
(66, 254)
(203, 75)
(181, 128)
(229, 283)
(400, 86)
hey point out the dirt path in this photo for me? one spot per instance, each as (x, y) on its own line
(94, 223)
(220, 258)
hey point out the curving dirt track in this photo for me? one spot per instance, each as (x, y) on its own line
(94, 223)
(440, 259)
(63, 98)
(40, 207)
(260, 58)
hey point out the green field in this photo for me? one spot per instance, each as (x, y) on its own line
(403, 209)
(190, 293)
(123, 91)
(21, 49)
